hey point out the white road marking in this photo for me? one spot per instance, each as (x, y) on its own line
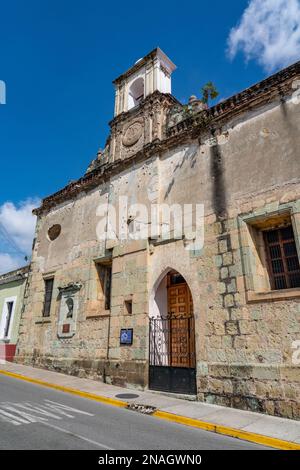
(13, 418)
(59, 406)
(23, 414)
(26, 413)
(24, 417)
(38, 410)
(70, 433)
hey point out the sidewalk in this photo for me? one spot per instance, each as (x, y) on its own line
(272, 431)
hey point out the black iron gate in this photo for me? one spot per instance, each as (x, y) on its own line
(172, 362)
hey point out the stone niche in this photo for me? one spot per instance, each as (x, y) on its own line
(69, 303)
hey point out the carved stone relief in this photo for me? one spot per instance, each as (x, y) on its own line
(69, 303)
(133, 134)
(132, 137)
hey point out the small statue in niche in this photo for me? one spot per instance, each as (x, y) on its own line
(70, 305)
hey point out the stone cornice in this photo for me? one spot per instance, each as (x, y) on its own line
(136, 66)
(157, 52)
(96, 177)
(277, 85)
(264, 92)
(16, 275)
(71, 287)
(136, 111)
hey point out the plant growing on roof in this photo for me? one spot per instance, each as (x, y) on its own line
(186, 111)
(209, 92)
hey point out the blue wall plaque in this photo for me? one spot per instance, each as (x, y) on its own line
(126, 336)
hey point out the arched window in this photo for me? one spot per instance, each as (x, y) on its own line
(136, 93)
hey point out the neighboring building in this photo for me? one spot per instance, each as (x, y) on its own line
(12, 289)
(225, 317)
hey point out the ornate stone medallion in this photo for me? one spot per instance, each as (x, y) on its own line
(133, 134)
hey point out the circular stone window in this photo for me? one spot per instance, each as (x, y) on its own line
(54, 232)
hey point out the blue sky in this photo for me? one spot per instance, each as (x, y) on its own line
(58, 59)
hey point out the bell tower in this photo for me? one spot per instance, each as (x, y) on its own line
(149, 74)
(142, 98)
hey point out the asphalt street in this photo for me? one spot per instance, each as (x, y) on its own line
(35, 417)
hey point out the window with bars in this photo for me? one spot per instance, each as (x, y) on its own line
(107, 289)
(105, 276)
(282, 258)
(48, 297)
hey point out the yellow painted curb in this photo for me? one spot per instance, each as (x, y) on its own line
(91, 396)
(227, 431)
(218, 429)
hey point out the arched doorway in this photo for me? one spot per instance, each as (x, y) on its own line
(172, 360)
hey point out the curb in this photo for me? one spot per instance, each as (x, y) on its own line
(73, 391)
(216, 428)
(227, 431)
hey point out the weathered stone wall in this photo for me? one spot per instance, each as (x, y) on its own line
(247, 362)
(69, 259)
(250, 166)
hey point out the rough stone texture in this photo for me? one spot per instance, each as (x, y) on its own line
(239, 159)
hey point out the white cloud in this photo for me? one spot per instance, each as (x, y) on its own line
(10, 263)
(269, 32)
(17, 226)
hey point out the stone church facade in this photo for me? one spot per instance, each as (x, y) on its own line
(220, 321)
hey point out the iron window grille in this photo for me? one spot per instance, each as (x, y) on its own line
(48, 297)
(282, 258)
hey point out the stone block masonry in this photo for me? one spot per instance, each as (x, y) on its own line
(239, 159)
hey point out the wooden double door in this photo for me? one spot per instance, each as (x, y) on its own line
(181, 323)
(172, 362)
